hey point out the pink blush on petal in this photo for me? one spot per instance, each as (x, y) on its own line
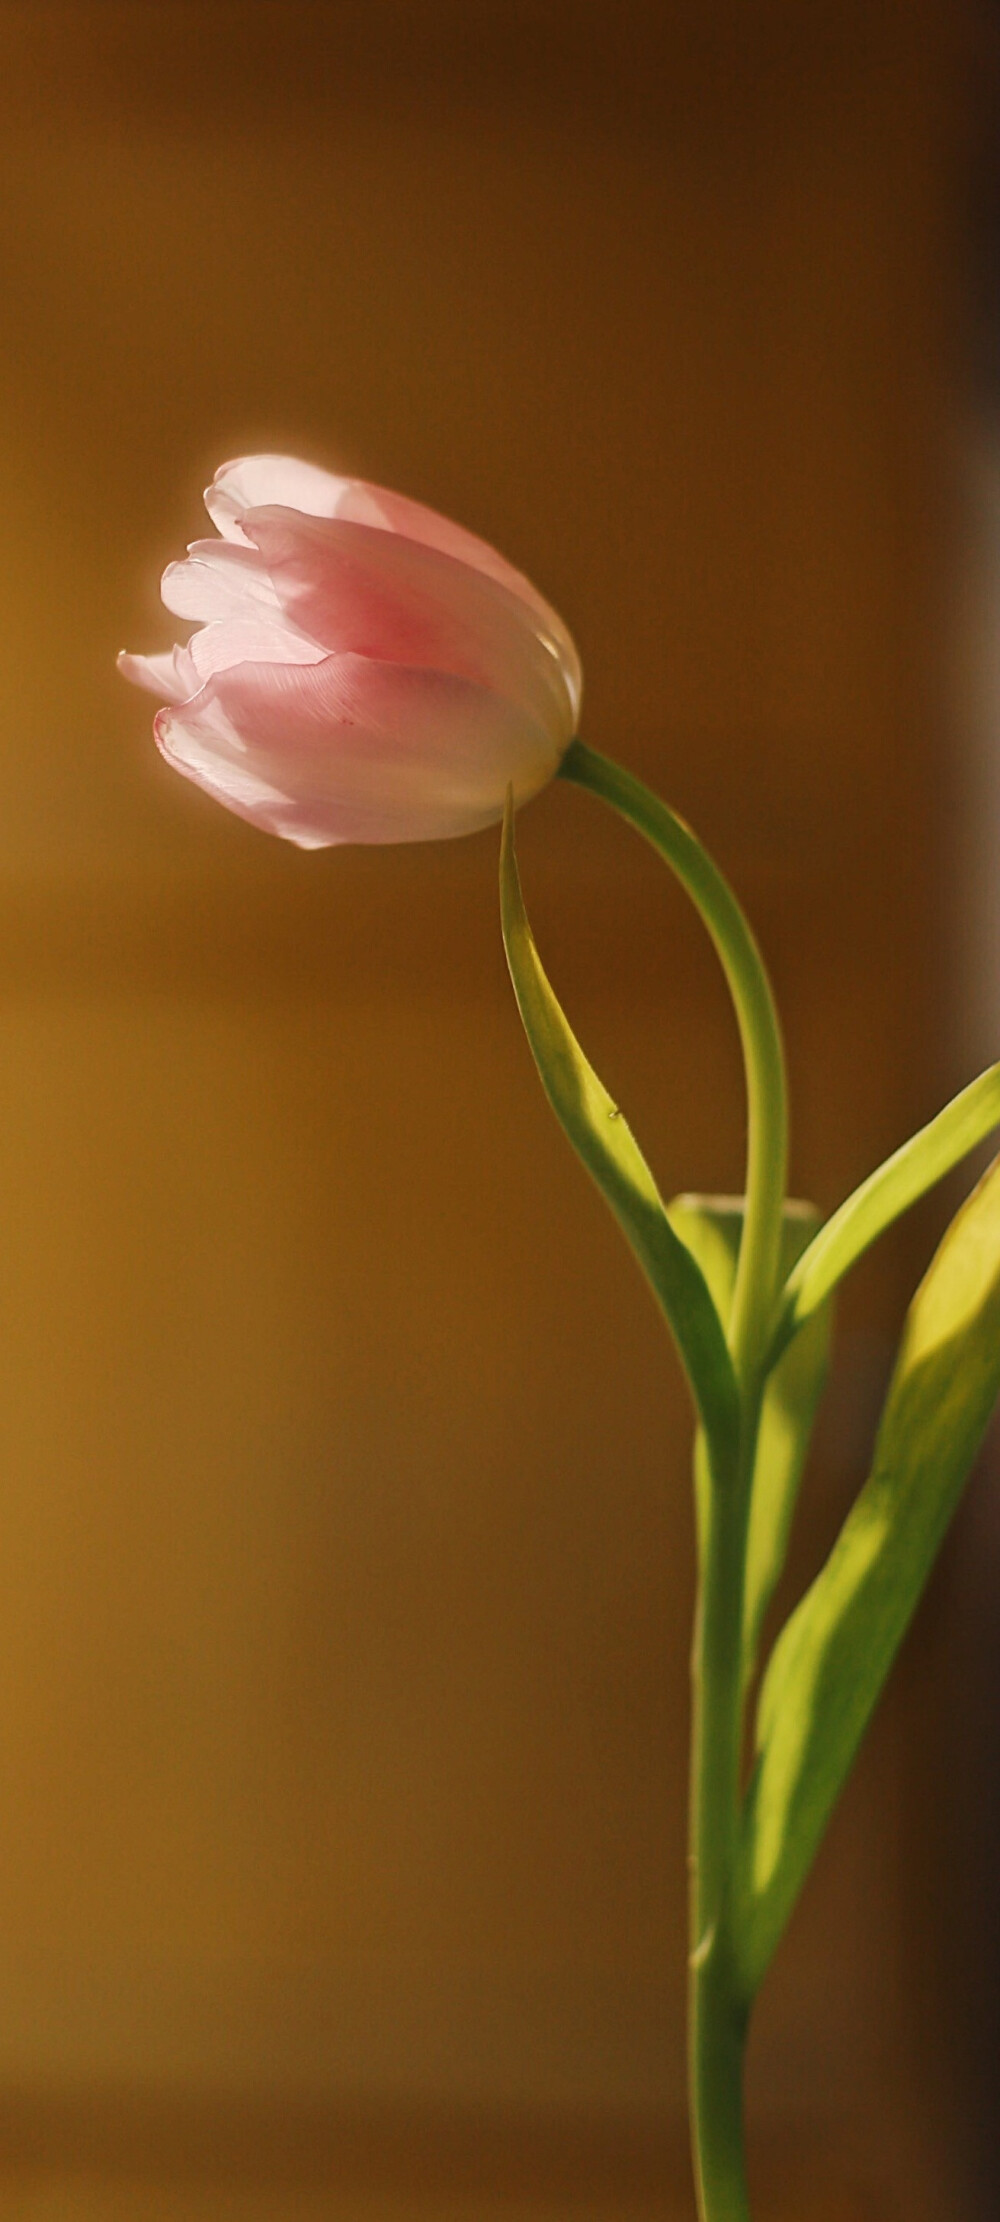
(356, 750)
(362, 590)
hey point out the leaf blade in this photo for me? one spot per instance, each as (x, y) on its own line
(832, 1657)
(604, 1142)
(888, 1192)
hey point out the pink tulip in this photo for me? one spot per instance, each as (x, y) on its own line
(362, 670)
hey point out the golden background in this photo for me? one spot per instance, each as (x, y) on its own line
(345, 1547)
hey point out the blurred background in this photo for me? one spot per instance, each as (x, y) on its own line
(345, 1544)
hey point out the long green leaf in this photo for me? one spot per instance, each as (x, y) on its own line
(599, 1134)
(833, 1655)
(712, 1227)
(885, 1195)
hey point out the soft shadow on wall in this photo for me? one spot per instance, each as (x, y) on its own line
(960, 1866)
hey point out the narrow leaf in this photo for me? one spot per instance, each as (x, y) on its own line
(833, 1655)
(712, 1227)
(599, 1134)
(886, 1194)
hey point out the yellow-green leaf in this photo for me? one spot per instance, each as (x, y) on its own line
(601, 1137)
(833, 1655)
(886, 1194)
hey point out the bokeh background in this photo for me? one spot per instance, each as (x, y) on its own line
(345, 1543)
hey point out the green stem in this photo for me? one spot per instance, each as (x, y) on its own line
(718, 2009)
(760, 1034)
(718, 2036)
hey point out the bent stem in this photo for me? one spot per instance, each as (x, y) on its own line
(718, 2010)
(760, 1036)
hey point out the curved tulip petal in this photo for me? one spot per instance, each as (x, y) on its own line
(266, 481)
(217, 581)
(355, 750)
(363, 504)
(256, 481)
(352, 587)
(172, 674)
(246, 641)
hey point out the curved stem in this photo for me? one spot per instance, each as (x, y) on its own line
(760, 1035)
(718, 2007)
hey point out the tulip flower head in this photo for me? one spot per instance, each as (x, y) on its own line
(362, 669)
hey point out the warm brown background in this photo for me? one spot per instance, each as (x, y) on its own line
(345, 1579)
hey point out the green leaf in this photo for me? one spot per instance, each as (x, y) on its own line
(834, 1653)
(712, 1227)
(599, 1134)
(885, 1195)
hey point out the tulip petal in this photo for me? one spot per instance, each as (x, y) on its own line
(218, 581)
(172, 676)
(266, 481)
(246, 641)
(412, 520)
(255, 481)
(354, 587)
(355, 750)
